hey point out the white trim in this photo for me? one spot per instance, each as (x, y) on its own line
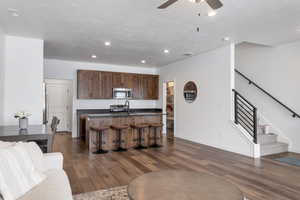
(71, 97)
(58, 81)
(256, 147)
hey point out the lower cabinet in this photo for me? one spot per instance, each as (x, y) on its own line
(130, 136)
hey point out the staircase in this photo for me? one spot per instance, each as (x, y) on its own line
(268, 143)
(246, 115)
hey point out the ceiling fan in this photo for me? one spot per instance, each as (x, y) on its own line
(214, 4)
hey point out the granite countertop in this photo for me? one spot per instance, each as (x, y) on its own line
(124, 114)
(94, 113)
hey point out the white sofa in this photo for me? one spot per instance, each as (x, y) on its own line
(56, 186)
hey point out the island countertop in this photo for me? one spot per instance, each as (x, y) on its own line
(94, 113)
(124, 114)
(97, 118)
(102, 113)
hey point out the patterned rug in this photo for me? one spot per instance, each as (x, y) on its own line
(118, 193)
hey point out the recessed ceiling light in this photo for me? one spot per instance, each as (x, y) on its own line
(143, 61)
(211, 13)
(166, 51)
(107, 43)
(93, 56)
(225, 39)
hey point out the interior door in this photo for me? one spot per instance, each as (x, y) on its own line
(59, 103)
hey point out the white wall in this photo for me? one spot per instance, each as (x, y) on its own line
(208, 119)
(1, 77)
(23, 69)
(277, 70)
(59, 69)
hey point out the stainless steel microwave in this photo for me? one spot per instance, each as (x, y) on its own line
(122, 93)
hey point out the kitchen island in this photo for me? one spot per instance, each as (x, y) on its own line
(106, 118)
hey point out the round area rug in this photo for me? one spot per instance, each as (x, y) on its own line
(118, 193)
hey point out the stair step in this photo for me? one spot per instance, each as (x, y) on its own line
(261, 127)
(266, 138)
(274, 148)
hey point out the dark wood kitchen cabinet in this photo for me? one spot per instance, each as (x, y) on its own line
(94, 84)
(136, 86)
(99, 84)
(122, 80)
(87, 84)
(106, 86)
(154, 88)
(117, 80)
(150, 86)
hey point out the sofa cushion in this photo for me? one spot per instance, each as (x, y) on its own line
(33, 150)
(36, 155)
(6, 144)
(55, 186)
(17, 172)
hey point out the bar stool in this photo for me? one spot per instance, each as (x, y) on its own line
(119, 129)
(100, 131)
(156, 126)
(140, 128)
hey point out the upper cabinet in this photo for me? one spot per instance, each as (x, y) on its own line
(99, 84)
(136, 86)
(106, 81)
(121, 80)
(150, 86)
(87, 84)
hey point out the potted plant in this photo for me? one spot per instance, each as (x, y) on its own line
(23, 119)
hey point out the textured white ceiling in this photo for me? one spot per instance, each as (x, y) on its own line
(75, 29)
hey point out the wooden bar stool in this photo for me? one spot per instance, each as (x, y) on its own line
(140, 128)
(100, 131)
(157, 136)
(119, 129)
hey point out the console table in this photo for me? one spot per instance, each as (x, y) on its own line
(41, 134)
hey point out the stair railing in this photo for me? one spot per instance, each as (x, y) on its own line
(294, 114)
(245, 114)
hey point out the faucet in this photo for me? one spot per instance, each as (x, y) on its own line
(127, 105)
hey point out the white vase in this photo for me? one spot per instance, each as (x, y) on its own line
(23, 123)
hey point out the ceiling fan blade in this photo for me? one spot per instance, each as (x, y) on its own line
(214, 4)
(167, 4)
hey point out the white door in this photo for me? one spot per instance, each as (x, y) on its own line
(59, 102)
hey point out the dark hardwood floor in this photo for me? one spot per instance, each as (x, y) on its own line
(260, 179)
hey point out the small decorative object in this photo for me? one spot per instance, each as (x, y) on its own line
(190, 92)
(23, 119)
